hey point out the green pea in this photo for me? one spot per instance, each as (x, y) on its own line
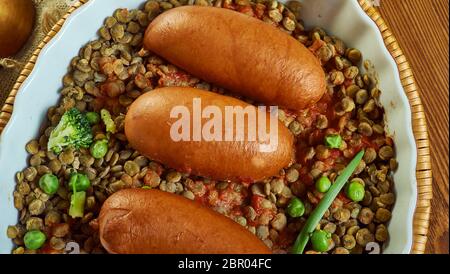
(296, 208)
(93, 117)
(355, 191)
(333, 141)
(34, 239)
(80, 181)
(99, 149)
(320, 240)
(323, 184)
(49, 183)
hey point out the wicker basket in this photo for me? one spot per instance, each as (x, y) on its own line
(423, 168)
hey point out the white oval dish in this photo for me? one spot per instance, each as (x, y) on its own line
(343, 18)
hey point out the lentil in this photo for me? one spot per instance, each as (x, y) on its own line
(131, 168)
(12, 232)
(32, 147)
(382, 215)
(36, 207)
(342, 215)
(340, 250)
(348, 241)
(279, 222)
(322, 122)
(381, 233)
(292, 175)
(354, 55)
(366, 216)
(262, 232)
(386, 152)
(57, 243)
(295, 127)
(60, 230)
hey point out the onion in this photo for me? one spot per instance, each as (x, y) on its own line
(16, 23)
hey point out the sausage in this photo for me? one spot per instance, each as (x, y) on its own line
(240, 53)
(148, 126)
(137, 221)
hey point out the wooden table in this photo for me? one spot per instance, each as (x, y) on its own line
(421, 29)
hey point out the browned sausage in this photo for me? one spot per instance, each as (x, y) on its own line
(134, 221)
(148, 130)
(240, 53)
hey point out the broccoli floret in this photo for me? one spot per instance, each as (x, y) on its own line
(108, 121)
(73, 130)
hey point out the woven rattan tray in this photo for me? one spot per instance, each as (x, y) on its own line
(423, 168)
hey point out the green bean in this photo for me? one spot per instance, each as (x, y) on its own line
(93, 117)
(77, 201)
(324, 204)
